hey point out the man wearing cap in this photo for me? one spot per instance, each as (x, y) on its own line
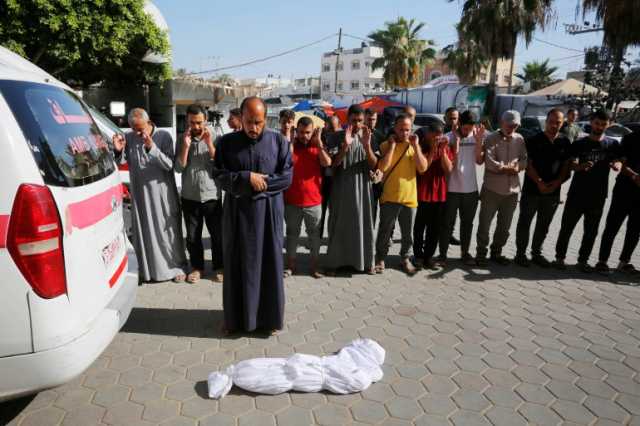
(505, 157)
(548, 168)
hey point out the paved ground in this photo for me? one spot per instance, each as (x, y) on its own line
(503, 346)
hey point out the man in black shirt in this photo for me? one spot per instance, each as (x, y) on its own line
(625, 202)
(592, 157)
(547, 169)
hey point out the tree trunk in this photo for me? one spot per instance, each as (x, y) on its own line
(513, 60)
(615, 83)
(489, 108)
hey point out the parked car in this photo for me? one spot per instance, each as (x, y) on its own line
(531, 125)
(108, 129)
(634, 126)
(615, 131)
(425, 119)
(64, 258)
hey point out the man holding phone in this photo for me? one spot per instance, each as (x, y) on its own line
(201, 197)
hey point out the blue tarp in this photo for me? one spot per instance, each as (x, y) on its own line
(305, 105)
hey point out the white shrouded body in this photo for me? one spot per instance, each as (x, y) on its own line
(352, 369)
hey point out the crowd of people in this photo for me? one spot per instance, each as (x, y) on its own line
(254, 186)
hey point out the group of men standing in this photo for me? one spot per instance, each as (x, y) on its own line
(422, 181)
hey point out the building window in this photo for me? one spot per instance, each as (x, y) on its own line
(482, 76)
(367, 64)
(326, 67)
(355, 65)
(355, 85)
(340, 66)
(326, 86)
(339, 85)
(367, 85)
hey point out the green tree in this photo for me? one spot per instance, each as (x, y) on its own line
(620, 20)
(404, 53)
(537, 74)
(83, 42)
(495, 26)
(465, 59)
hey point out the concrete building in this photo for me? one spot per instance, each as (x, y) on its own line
(355, 76)
(439, 69)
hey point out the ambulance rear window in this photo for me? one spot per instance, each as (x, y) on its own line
(67, 145)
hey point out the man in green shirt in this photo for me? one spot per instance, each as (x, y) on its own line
(570, 129)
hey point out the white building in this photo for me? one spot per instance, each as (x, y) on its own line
(355, 76)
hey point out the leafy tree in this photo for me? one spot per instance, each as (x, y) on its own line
(537, 74)
(465, 59)
(620, 20)
(405, 54)
(495, 25)
(83, 42)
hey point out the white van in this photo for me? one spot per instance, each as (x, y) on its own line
(66, 285)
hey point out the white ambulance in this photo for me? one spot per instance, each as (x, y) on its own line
(65, 274)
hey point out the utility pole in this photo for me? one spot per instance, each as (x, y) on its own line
(338, 50)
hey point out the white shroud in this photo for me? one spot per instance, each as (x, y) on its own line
(352, 369)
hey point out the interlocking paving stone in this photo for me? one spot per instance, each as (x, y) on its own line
(464, 346)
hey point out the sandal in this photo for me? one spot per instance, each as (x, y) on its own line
(179, 278)
(317, 275)
(288, 272)
(194, 276)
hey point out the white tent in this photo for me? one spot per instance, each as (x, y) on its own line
(568, 87)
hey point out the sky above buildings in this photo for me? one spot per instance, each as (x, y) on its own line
(212, 34)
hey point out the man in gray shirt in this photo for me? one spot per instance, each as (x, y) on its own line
(201, 197)
(505, 156)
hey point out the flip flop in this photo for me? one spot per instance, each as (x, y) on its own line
(194, 276)
(317, 275)
(179, 278)
(287, 273)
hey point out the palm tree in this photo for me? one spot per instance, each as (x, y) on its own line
(404, 53)
(620, 20)
(496, 25)
(465, 59)
(537, 74)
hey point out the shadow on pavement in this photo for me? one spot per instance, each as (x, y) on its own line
(175, 322)
(531, 273)
(9, 410)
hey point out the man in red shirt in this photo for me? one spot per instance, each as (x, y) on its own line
(432, 194)
(303, 199)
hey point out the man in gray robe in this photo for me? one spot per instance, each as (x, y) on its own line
(351, 202)
(157, 231)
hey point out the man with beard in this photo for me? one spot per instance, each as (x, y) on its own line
(547, 169)
(201, 198)
(254, 167)
(591, 159)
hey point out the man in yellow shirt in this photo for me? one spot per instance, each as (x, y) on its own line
(401, 160)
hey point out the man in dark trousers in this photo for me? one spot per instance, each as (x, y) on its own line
(625, 203)
(591, 159)
(201, 198)
(547, 169)
(254, 167)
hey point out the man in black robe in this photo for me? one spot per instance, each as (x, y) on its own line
(254, 167)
